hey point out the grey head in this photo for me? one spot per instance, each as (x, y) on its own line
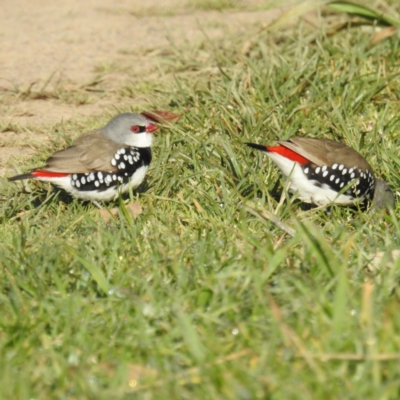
(130, 129)
(383, 196)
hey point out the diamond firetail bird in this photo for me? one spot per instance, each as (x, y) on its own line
(324, 171)
(101, 163)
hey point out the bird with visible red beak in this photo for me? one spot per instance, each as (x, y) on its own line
(101, 163)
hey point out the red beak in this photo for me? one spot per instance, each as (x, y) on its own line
(150, 128)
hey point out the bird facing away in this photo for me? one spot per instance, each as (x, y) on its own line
(324, 171)
(101, 163)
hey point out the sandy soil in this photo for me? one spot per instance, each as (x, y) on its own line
(71, 41)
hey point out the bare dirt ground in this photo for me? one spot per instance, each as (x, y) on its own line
(43, 43)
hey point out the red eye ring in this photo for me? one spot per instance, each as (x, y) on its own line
(135, 129)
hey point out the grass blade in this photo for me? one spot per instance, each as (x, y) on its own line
(363, 12)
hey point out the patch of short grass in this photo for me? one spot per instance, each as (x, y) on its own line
(218, 5)
(197, 298)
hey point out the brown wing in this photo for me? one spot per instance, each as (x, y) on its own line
(90, 152)
(323, 151)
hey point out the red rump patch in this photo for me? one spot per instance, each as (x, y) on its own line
(48, 174)
(290, 154)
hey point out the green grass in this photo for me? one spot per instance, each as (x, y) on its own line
(219, 5)
(198, 298)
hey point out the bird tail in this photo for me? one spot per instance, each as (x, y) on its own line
(282, 151)
(38, 174)
(258, 146)
(20, 177)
